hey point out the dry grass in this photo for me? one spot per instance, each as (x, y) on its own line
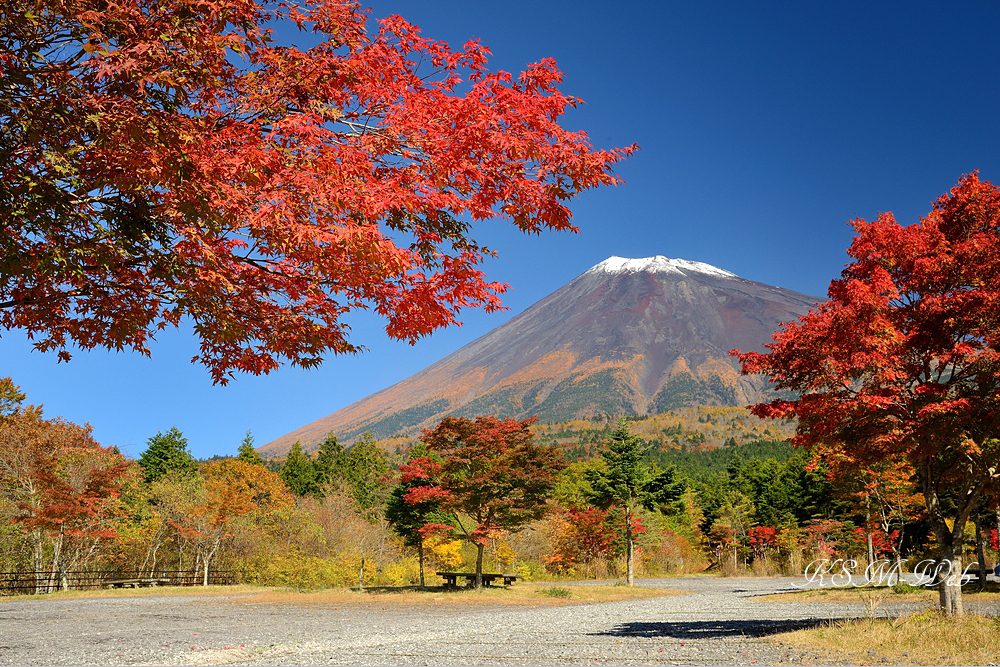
(143, 592)
(519, 595)
(859, 594)
(921, 638)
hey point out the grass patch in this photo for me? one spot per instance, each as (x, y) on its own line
(921, 638)
(901, 588)
(519, 595)
(898, 592)
(555, 592)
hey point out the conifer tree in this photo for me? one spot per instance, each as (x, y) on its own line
(628, 482)
(247, 453)
(298, 473)
(367, 470)
(331, 463)
(167, 453)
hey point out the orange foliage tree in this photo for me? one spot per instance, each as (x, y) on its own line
(583, 536)
(233, 490)
(883, 492)
(61, 486)
(903, 361)
(163, 160)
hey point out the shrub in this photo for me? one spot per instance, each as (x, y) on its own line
(405, 572)
(903, 587)
(555, 592)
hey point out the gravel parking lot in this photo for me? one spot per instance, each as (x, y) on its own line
(717, 621)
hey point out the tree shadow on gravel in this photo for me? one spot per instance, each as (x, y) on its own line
(712, 629)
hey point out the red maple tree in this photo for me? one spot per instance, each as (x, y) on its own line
(168, 160)
(492, 472)
(904, 359)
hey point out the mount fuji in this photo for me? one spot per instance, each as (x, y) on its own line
(628, 336)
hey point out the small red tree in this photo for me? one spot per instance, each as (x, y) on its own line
(904, 359)
(413, 507)
(493, 473)
(166, 160)
(762, 538)
(584, 535)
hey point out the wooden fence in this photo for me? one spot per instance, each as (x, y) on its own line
(22, 583)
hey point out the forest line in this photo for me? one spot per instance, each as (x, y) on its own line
(342, 516)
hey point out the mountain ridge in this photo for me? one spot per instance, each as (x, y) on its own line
(627, 336)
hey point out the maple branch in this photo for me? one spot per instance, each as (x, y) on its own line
(461, 525)
(41, 300)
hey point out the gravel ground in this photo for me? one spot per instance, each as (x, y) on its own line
(719, 621)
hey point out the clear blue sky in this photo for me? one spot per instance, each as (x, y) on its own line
(764, 128)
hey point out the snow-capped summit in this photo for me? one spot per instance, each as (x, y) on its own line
(659, 264)
(628, 336)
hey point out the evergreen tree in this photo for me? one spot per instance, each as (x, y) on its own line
(627, 482)
(247, 452)
(298, 473)
(664, 489)
(167, 453)
(367, 470)
(332, 463)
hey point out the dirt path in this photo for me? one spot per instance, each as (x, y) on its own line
(717, 621)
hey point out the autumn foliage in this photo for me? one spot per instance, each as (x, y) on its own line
(492, 472)
(903, 361)
(58, 484)
(168, 161)
(586, 536)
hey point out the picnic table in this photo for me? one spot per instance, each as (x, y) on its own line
(451, 578)
(136, 583)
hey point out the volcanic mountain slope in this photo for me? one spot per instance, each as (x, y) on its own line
(629, 336)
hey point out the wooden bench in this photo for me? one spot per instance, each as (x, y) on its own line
(451, 578)
(136, 583)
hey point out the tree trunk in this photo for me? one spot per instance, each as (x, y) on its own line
(980, 552)
(479, 564)
(37, 558)
(361, 574)
(57, 547)
(897, 548)
(950, 582)
(950, 540)
(420, 556)
(868, 537)
(629, 564)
